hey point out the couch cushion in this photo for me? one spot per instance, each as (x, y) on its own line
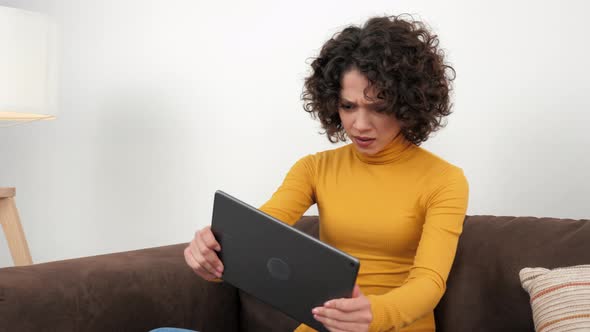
(484, 291)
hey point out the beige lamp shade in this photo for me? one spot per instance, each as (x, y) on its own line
(27, 66)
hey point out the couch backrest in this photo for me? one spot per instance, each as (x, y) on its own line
(484, 291)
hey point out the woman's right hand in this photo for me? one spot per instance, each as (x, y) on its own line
(201, 257)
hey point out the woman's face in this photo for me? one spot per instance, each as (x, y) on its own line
(369, 130)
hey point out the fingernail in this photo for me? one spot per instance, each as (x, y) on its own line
(315, 310)
(327, 304)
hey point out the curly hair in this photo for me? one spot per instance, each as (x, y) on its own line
(401, 61)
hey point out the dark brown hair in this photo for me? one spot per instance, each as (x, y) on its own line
(402, 62)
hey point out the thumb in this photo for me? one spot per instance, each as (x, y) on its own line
(356, 291)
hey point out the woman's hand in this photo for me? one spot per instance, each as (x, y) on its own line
(341, 315)
(201, 257)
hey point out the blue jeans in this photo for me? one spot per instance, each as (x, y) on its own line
(171, 329)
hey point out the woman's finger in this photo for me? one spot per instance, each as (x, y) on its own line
(201, 260)
(209, 239)
(209, 255)
(336, 325)
(348, 305)
(355, 316)
(196, 267)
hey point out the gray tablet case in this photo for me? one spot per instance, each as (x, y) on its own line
(277, 263)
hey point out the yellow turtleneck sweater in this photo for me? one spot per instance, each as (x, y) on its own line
(400, 212)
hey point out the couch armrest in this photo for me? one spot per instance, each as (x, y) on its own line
(128, 291)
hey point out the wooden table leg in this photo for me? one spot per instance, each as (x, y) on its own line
(15, 236)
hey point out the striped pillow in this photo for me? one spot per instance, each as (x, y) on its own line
(560, 298)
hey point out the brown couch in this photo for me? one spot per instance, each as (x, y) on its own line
(144, 289)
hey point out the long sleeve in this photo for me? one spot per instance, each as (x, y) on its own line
(426, 283)
(296, 194)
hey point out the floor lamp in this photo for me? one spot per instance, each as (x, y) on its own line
(27, 93)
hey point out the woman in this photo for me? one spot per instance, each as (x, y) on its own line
(382, 198)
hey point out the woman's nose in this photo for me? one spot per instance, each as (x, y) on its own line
(361, 122)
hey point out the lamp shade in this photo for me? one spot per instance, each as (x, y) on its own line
(27, 66)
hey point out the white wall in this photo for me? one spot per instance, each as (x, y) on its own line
(163, 102)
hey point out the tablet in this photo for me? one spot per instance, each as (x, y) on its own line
(277, 263)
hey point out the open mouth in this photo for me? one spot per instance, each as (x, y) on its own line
(363, 141)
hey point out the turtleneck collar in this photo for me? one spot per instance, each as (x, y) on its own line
(394, 151)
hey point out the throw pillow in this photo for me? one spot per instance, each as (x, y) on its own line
(560, 298)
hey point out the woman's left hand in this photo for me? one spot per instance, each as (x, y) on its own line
(341, 315)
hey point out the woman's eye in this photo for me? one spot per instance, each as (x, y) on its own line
(346, 107)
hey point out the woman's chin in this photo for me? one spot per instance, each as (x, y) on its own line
(368, 151)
